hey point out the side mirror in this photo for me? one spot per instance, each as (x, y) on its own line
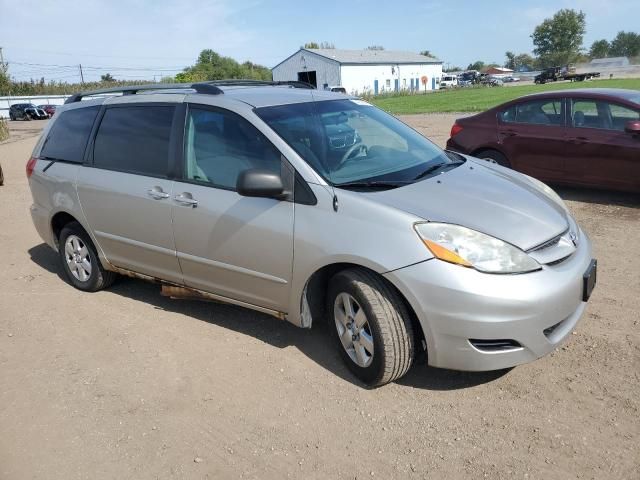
(260, 183)
(632, 126)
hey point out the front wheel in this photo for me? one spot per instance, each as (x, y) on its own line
(371, 325)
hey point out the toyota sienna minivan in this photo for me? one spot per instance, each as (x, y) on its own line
(312, 206)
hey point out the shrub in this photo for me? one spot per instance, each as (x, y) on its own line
(4, 129)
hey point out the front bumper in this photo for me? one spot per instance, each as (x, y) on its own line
(454, 304)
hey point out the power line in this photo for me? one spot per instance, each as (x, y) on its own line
(149, 69)
(104, 56)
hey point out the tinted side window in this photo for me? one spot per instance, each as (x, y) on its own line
(220, 144)
(134, 139)
(69, 135)
(537, 112)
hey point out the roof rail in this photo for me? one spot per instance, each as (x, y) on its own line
(210, 88)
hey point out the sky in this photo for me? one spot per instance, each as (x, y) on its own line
(147, 39)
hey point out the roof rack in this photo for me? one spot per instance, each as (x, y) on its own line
(209, 88)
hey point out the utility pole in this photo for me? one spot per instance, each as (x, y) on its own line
(81, 75)
(1, 59)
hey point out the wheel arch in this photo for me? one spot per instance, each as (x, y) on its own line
(316, 291)
(58, 222)
(62, 218)
(486, 148)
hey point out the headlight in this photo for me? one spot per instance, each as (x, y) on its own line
(466, 247)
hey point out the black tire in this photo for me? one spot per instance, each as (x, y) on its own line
(27, 117)
(12, 117)
(99, 278)
(1, 176)
(494, 156)
(388, 323)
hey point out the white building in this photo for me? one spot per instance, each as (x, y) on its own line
(361, 71)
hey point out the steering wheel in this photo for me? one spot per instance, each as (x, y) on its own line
(347, 155)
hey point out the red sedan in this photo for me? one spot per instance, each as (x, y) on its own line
(585, 137)
(48, 109)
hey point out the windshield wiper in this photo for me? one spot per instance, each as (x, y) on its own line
(436, 167)
(373, 184)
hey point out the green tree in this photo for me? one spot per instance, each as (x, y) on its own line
(558, 40)
(316, 45)
(212, 66)
(511, 60)
(427, 53)
(626, 44)
(599, 49)
(107, 77)
(5, 81)
(515, 62)
(479, 65)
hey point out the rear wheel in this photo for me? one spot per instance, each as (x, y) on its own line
(371, 325)
(1, 176)
(80, 260)
(493, 156)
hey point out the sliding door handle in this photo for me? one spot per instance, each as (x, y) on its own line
(186, 199)
(157, 193)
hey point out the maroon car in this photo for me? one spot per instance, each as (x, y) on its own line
(48, 109)
(586, 137)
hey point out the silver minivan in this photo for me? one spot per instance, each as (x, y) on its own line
(312, 206)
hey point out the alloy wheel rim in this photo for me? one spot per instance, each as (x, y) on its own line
(78, 259)
(353, 329)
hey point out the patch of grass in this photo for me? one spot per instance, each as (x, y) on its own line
(477, 99)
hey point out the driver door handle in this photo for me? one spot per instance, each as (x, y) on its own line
(185, 198)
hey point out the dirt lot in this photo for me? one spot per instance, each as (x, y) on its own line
(127, 384)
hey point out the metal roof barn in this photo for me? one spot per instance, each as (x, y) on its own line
(361, 71)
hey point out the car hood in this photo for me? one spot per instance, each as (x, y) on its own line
(492, 200)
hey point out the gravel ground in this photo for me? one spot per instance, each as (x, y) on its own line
(125, 383)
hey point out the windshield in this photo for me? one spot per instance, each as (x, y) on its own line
(349, 141)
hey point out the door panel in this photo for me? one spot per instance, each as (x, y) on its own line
(601, 153)
(533, 135)
(132, 226)
(126, 195)
(235, 246)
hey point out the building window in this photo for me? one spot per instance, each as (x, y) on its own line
(388, 83)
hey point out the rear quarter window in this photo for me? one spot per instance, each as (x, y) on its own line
(69, 134)
(135, 139)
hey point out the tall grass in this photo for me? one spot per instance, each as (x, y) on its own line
(4, 129)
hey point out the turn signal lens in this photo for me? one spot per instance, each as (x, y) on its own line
(445, 254)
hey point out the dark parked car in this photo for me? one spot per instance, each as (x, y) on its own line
(27, 111)
(585, 137)
(48, 109)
